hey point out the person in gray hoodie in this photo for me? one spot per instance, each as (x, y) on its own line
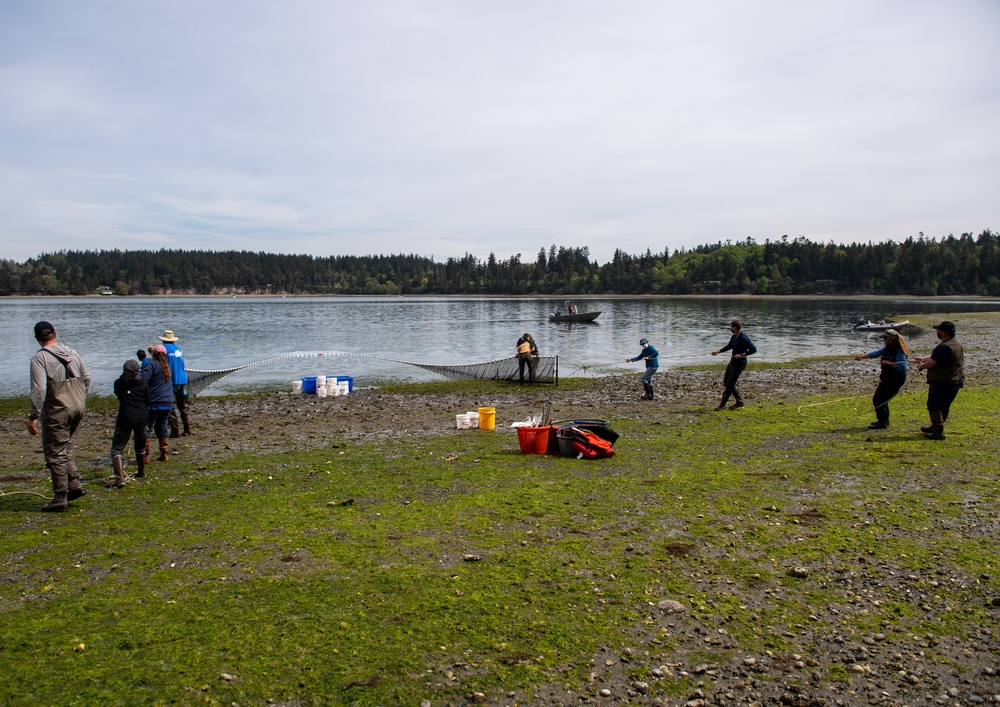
(59, 385)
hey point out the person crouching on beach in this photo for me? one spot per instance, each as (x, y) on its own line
(133, 398)
(741, 346)
(892, 377)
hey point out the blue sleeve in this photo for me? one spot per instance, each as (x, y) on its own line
(900, 359)
(876, 354)
(751, 349)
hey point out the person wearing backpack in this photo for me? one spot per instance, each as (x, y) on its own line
(59, 386)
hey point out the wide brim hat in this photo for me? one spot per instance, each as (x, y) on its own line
(167, 335)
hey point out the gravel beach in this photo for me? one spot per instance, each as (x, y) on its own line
(969, 675)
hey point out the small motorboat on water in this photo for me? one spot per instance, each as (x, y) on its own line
(572, 314)
(880, 325)
(575, 317)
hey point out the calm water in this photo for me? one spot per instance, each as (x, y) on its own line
(221, 333)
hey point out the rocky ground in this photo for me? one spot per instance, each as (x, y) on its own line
(282, 421)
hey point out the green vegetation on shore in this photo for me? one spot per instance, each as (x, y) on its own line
(433, 568)
(964, 265)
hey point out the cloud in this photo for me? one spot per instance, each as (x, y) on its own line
(441, 128)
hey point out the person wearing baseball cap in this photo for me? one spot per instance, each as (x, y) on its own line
(652, 358)
(59, 385)
(741, 347)
(892, 374)
(945, 377)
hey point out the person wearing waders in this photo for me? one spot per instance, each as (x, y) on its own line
(652, 358)
(741, 347)
(178, 378)
(527, 355)
(59, 385)
(133, 397)
(945, 377)
(892, 376)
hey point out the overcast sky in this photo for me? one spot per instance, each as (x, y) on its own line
(441, 127)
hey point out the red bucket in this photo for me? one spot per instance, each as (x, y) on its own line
(533, 440)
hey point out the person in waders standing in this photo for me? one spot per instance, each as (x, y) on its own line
(527, 356)
(741, 347)
(652, 358)
(59, 385)
(133, 397)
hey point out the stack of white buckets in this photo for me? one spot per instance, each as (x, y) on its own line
(325, 386)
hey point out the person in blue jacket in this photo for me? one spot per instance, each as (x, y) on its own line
(741, 347)
(161, 399)
(891, 378)
(178, 378)
(652, 358)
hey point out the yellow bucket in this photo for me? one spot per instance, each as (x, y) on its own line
(487, 418)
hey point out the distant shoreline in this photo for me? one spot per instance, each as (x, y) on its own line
(558, 298)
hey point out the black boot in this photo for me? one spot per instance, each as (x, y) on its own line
(57, 504)
(76, 490)
(140, 464)
(937, 426)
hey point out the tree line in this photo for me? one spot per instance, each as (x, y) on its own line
(963, 265)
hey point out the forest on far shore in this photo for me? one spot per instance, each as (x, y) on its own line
(962, 265)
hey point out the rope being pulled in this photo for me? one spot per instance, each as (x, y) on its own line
(853, 397)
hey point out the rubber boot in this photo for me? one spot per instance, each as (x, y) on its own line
(186, 424)
(140, 464)
(119, 468)
(163, 449)
(57, 504)
(937, 426)
(175, 429)
(145, 454)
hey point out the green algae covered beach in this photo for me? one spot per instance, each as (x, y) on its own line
(360, 550)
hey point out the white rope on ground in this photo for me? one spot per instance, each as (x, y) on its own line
(853, 397)
(24, 493)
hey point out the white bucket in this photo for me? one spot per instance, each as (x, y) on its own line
(473, 418)
(297, 386)
(345, 387)
(320, 382)
(462, 422)
(332, 389)
(321, 392)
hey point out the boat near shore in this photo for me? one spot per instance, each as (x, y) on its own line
(881, 325)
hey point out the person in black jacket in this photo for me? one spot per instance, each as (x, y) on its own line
(741, 347)
(133, 397)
